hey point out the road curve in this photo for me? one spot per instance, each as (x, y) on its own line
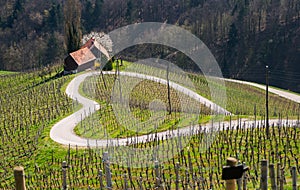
(63, 131)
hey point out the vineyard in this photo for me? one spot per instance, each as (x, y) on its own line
(241, 99)
(25, 115)
(140, 99)
(32, 102)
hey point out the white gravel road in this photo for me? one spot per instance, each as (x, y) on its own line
(63, 131)
(285, 94)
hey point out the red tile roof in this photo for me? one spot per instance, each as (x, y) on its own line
(83, 56)
(92, 42)
(89, 43)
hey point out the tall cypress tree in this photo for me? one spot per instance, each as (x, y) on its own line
(97, 11)
(52, 51)
(72, 25)
(18, 8)
(87, 15)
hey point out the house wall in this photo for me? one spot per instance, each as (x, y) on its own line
(70, 64)
(85, 66)
(96, 52)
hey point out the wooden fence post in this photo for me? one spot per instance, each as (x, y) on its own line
(264, 175)
(281, 182)
(157, 175)
(64, 173)
(101, 179)
(231, 184)
(107, 170)
(141, 183)
(177, 175)
(294, 177)
(240, 181)
(278, 174)
(273, 177)
(125, 182)
(19, 178)
(245, 177)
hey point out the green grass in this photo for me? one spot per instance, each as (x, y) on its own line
(125, 64)
(4, 73)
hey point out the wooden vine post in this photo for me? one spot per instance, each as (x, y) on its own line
(157, 176)
(107, 170)
(19, 178)
(231, 184)
(272, 177)
(264, 175)
(101, 180)
(64, 173)
(177, 175)
(294, 177)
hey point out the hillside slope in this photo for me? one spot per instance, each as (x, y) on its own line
(243, 35)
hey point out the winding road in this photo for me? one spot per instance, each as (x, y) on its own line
(285, 94)
(63, 131)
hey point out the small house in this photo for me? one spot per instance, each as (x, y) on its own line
(98, 50)
(90, 55)
(79, 60)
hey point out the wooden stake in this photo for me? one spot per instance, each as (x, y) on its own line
(272, 176)
(264, 175)
(245, 179)
(278, 174)
(177, 175)
(64, 173)
(157, 175)
(101, 180)
(231, 184)
(294, 177)
(19, 178)
(107, 170)
(141, 183)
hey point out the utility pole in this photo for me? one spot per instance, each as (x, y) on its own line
(267, 101)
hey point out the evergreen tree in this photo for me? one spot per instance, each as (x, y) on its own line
(129, 10)
(1, 23)
(233, 36)
(195, 3)
(52, 50)
(109, 65)
(72, 25)
(52, 20)
(97, 11)
(87, 15)
(18, 7)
